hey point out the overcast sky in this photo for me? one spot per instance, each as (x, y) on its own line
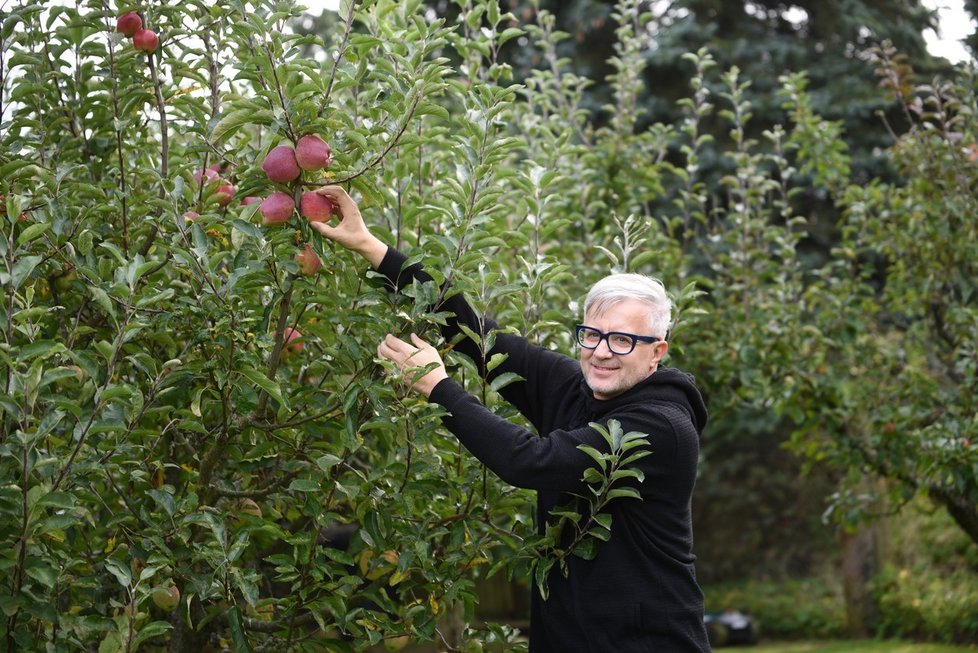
(954, 26)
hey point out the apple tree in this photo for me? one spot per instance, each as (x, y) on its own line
(197, 446)
(895, 370)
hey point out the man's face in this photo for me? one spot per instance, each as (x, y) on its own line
(608, 374)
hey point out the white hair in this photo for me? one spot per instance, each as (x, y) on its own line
(615, 288)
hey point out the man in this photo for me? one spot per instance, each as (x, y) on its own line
(639, 594)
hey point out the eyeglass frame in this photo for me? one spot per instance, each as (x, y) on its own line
(579, 329)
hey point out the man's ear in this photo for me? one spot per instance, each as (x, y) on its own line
(662, 348)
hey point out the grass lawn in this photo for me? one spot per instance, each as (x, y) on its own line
(855, 646)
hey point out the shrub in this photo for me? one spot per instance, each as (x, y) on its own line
(923, 603)
(803, 609)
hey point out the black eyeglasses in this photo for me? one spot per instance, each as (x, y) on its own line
(618, 342)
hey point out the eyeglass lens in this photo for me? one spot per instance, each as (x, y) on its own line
(619, 343)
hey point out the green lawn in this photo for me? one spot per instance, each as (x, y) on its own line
(855, 646)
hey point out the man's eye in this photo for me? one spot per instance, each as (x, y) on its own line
(621, 341)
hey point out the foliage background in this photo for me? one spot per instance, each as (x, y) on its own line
(156, 434)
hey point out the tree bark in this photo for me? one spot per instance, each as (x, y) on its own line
(861, 555)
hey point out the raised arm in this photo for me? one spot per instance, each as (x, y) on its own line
(539, 368)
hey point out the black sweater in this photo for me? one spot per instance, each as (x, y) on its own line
(639, 594)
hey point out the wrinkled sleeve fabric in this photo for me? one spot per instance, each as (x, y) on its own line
(515, 454)
(551, 461)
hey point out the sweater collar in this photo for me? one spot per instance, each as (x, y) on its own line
(665, 384)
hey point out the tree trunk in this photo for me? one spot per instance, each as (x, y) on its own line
(861, 555)
(452, 625)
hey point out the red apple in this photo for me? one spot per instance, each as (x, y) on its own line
(292, 343)
(315, 207)
(251, 199)
(308, 261)
(277, 208)
(206, 176)
(146, 40)
(313, 153)
(129, 23)
(280, 164)
(224, 192)
(190, 216)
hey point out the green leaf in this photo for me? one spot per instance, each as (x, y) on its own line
(619, 474)
(304, 485)
(600, 533)
(624, 493)
(503, 380)
(33, 232)
(42, 573)
(61, 500)
(540, 574)
(593, 476)
(635, 457)
(597, 456)
(509, 33)
(586, 549)
(470, 334)
(165, 499)
(22, 269)
(151, 630)
(237, 119)
(238, 635)
(567, 514)
(265, 383)
(328, 461)
(495, 361)
(102, 299)
(248, 229)
(604, 519)
(120, 571)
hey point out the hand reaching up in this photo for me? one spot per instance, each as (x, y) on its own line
(351, 233)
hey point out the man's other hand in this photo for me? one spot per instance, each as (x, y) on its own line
(411, 358)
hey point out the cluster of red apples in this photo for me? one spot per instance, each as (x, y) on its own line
(285, 164)
(131, 24)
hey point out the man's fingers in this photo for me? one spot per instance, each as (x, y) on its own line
(419, 363)
(395, 349)
(323, 228)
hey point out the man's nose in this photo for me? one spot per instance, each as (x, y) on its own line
(604, 349)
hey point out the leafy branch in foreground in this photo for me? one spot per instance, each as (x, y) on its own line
(607, 480)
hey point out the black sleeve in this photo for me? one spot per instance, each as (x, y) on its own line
(553, 460)
(399, 275)
(515, 454)
(538, 368)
